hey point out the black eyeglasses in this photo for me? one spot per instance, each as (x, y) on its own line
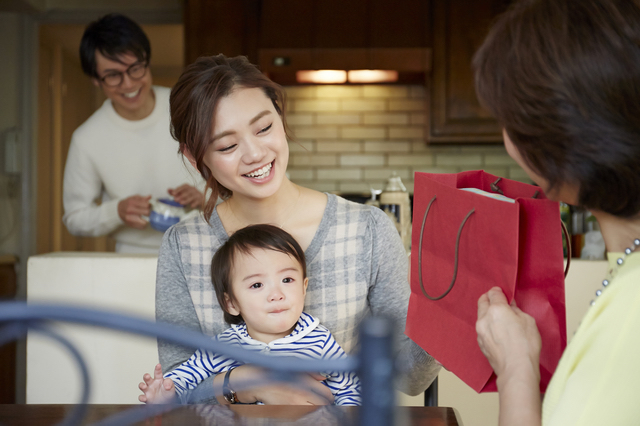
(135, 72)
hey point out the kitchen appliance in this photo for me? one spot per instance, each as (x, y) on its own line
(394, 200)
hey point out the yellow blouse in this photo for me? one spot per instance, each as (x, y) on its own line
(597, 381)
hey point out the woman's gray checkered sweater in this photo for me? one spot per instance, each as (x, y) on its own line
(356, 265)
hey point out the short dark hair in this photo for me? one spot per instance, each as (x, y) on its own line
(112, 35)
(562, 78)
(193, 102)
(261, 236)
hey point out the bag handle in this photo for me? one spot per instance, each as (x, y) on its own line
(455, 265)
(495, 188)
(565, 234)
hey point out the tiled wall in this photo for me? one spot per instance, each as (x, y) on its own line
(349, 138)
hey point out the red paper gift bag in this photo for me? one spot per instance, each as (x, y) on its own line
(464, 243)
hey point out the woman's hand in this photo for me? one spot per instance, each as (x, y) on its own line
(510, 340)
(508, 337)
(310, 390)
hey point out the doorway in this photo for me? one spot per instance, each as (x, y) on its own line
(66, 98)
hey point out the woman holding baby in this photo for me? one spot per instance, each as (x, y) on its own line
(229, 120)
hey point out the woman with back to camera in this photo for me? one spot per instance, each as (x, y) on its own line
(563, 79)
(230, 122)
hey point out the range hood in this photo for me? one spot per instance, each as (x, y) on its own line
(411, 64)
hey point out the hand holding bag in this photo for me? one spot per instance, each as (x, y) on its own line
(463, 244)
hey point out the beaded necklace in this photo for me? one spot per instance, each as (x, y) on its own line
(613, 271)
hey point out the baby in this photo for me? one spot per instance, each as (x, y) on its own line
(259, 276)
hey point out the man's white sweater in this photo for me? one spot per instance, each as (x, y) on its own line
(111, 158)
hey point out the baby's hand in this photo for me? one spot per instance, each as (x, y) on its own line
(156, 390)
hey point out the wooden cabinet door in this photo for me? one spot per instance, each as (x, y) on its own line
(399, 24)
(221, 26)
(278, 32)
(66, 98)
(459, 28)
(241, 27)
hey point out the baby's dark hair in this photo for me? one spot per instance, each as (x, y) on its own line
(262, 236)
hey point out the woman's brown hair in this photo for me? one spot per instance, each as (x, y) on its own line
(193, 103)
(563, 79)
(243, 241)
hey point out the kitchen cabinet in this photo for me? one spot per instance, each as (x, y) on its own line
(243, 27)
(430, 42)
(281, 64)
(343, 24)
(221, 26)
(459, 28)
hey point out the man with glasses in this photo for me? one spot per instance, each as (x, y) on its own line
(124, 153)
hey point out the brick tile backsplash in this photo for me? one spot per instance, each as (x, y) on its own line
(498, 171)
(315, 105)
(383, 174)
(459, 160)
(339, 146)
(320, 186)
(362, 160)
(351, 138)
(415, 132)
(335, 174)
(301, 92)
(339, 92)
(436, 169)
(306, 160)
(338, 119)
(387, 146)
(316, 132)
(363, 105)
(386, 91)
(378, 119)
(362, 132)
(516, 173)
(299, 119)
(301, 174)
(411, 160)
(358, 187)
(406, 105)
(298, 145)
(498, 160)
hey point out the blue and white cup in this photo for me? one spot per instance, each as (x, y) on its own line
(164, 213)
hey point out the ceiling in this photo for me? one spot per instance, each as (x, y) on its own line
(83, 11)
